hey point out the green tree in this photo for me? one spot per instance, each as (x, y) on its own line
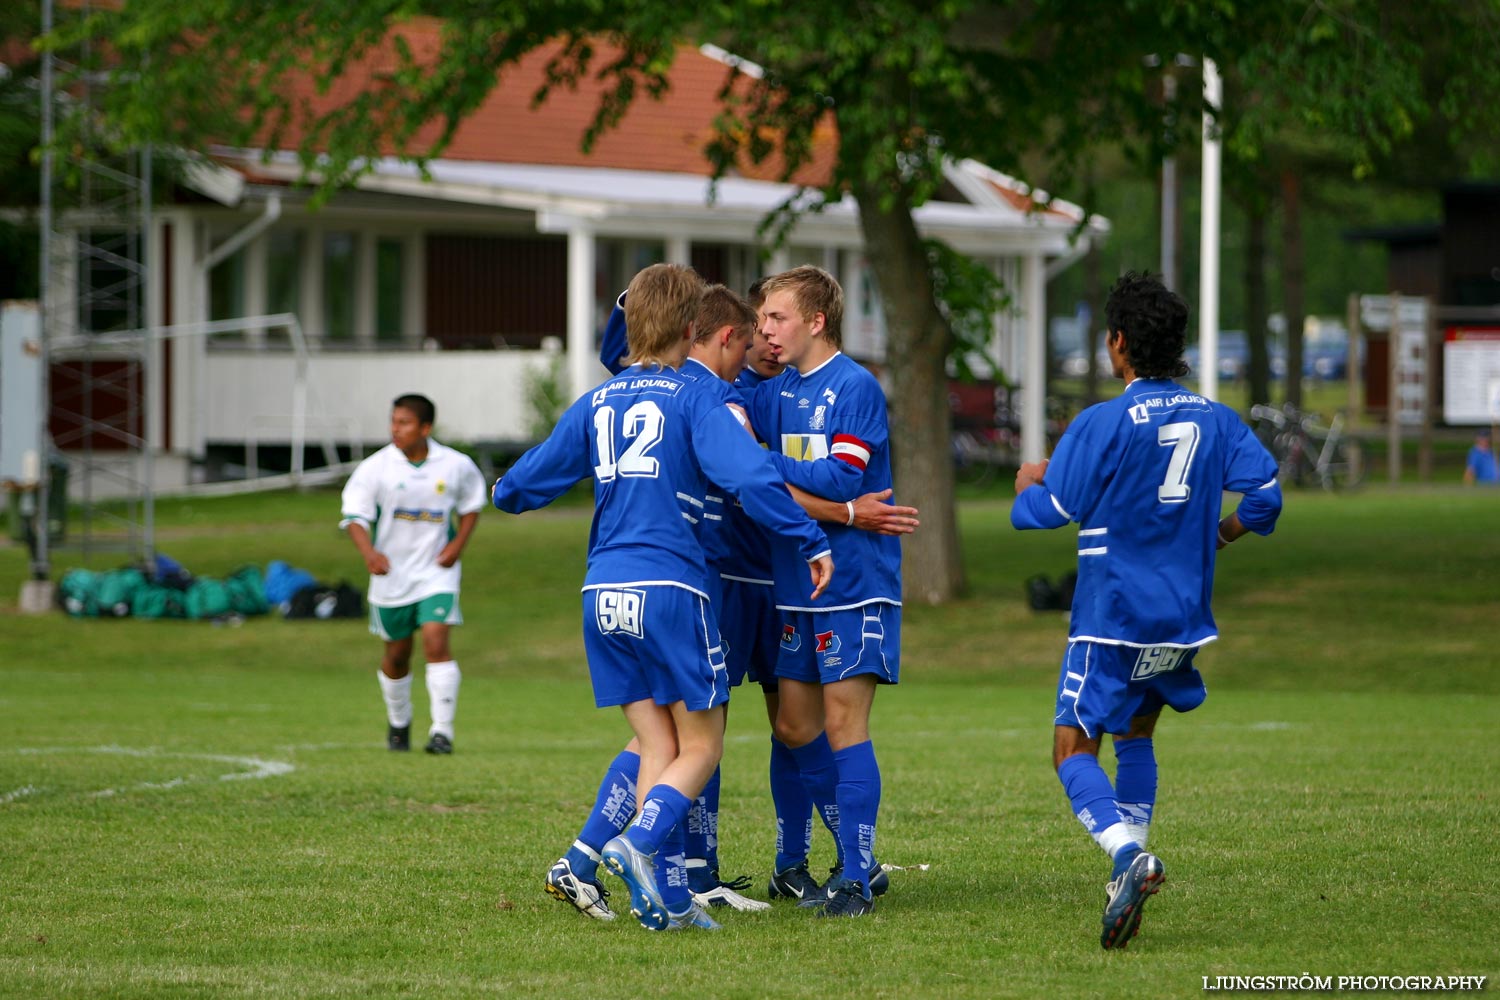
(907, 84)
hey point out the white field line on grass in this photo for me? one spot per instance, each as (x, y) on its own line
(247, 768)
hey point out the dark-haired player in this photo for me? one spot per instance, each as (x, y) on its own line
(1143, 476)
(418, 501)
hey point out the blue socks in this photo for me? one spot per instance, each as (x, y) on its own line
(1093, 802)
(858, 803)
(663, 809)
(1135, 784)
(794, 808)
(672, 874)
(613, 807)
(701, 836)
(820, 776)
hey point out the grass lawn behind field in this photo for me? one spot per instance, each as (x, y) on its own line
(193, 810)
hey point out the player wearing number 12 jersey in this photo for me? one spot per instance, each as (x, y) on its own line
(1143, 476)
(651, 439)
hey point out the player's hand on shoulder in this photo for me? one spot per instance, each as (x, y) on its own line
(1029, 474)
(872, 513)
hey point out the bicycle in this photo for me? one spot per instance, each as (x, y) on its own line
(979, 453)
(1307, 451)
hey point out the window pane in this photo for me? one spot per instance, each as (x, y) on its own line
(338, 286)
(226, 292)
(389, 293)
(284, 276)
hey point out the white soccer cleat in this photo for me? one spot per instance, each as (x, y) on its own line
(724, 895)
(588, 897)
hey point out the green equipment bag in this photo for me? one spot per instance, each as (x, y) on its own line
(156, 601)
(206, 598)
(117, 589)
(78, 593)
(247, 591)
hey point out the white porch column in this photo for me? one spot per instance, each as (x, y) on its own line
(1208, 267)
(583, 360)
(1034, 383)
(679, 250)
(858, 339)
(781, 260)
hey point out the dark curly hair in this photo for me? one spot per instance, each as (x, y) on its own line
(1153, 320)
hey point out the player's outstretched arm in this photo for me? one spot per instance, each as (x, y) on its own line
(868, 512)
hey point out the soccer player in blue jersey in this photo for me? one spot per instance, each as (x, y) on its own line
(727, 347)
(652, 439)
(825, 417)
(1143, 476)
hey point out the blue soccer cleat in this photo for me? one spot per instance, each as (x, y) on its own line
(1126, 897)
(697, 917)
(638, 870)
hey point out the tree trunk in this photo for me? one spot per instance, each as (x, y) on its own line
(920, 419)
(1293, 289)
(1255, 301)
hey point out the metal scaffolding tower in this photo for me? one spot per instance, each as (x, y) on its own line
(96, 230)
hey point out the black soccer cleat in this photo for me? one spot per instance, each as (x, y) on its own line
(398, 738)
(795, 883)
(438, 743)
(848, 899)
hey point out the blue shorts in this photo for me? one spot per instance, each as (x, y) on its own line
(1102, 687)
(820, 647)
(751, 627)
(655, 642)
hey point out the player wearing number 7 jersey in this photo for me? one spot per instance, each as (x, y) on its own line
(1143, 475)
(652, 438)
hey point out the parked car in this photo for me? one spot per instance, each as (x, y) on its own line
(1234, 357)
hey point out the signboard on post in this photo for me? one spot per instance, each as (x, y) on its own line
(1471, 375)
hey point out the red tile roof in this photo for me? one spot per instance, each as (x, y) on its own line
(659, 135)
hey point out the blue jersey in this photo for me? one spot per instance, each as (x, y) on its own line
(832, 439)
(743, 550)
(1144, 477)
(652, 438)
(613, 346)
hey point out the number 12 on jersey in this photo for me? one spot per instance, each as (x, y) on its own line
(642, 426)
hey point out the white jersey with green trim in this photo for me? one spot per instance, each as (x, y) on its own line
(409, 510)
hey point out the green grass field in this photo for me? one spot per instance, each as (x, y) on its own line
(191, 810)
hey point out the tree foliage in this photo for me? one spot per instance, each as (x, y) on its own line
(906, 84)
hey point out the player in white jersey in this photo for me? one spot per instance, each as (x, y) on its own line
(1144, 477)
(410, 509)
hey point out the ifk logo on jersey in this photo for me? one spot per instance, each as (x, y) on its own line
(827, 642)
(790, 640)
